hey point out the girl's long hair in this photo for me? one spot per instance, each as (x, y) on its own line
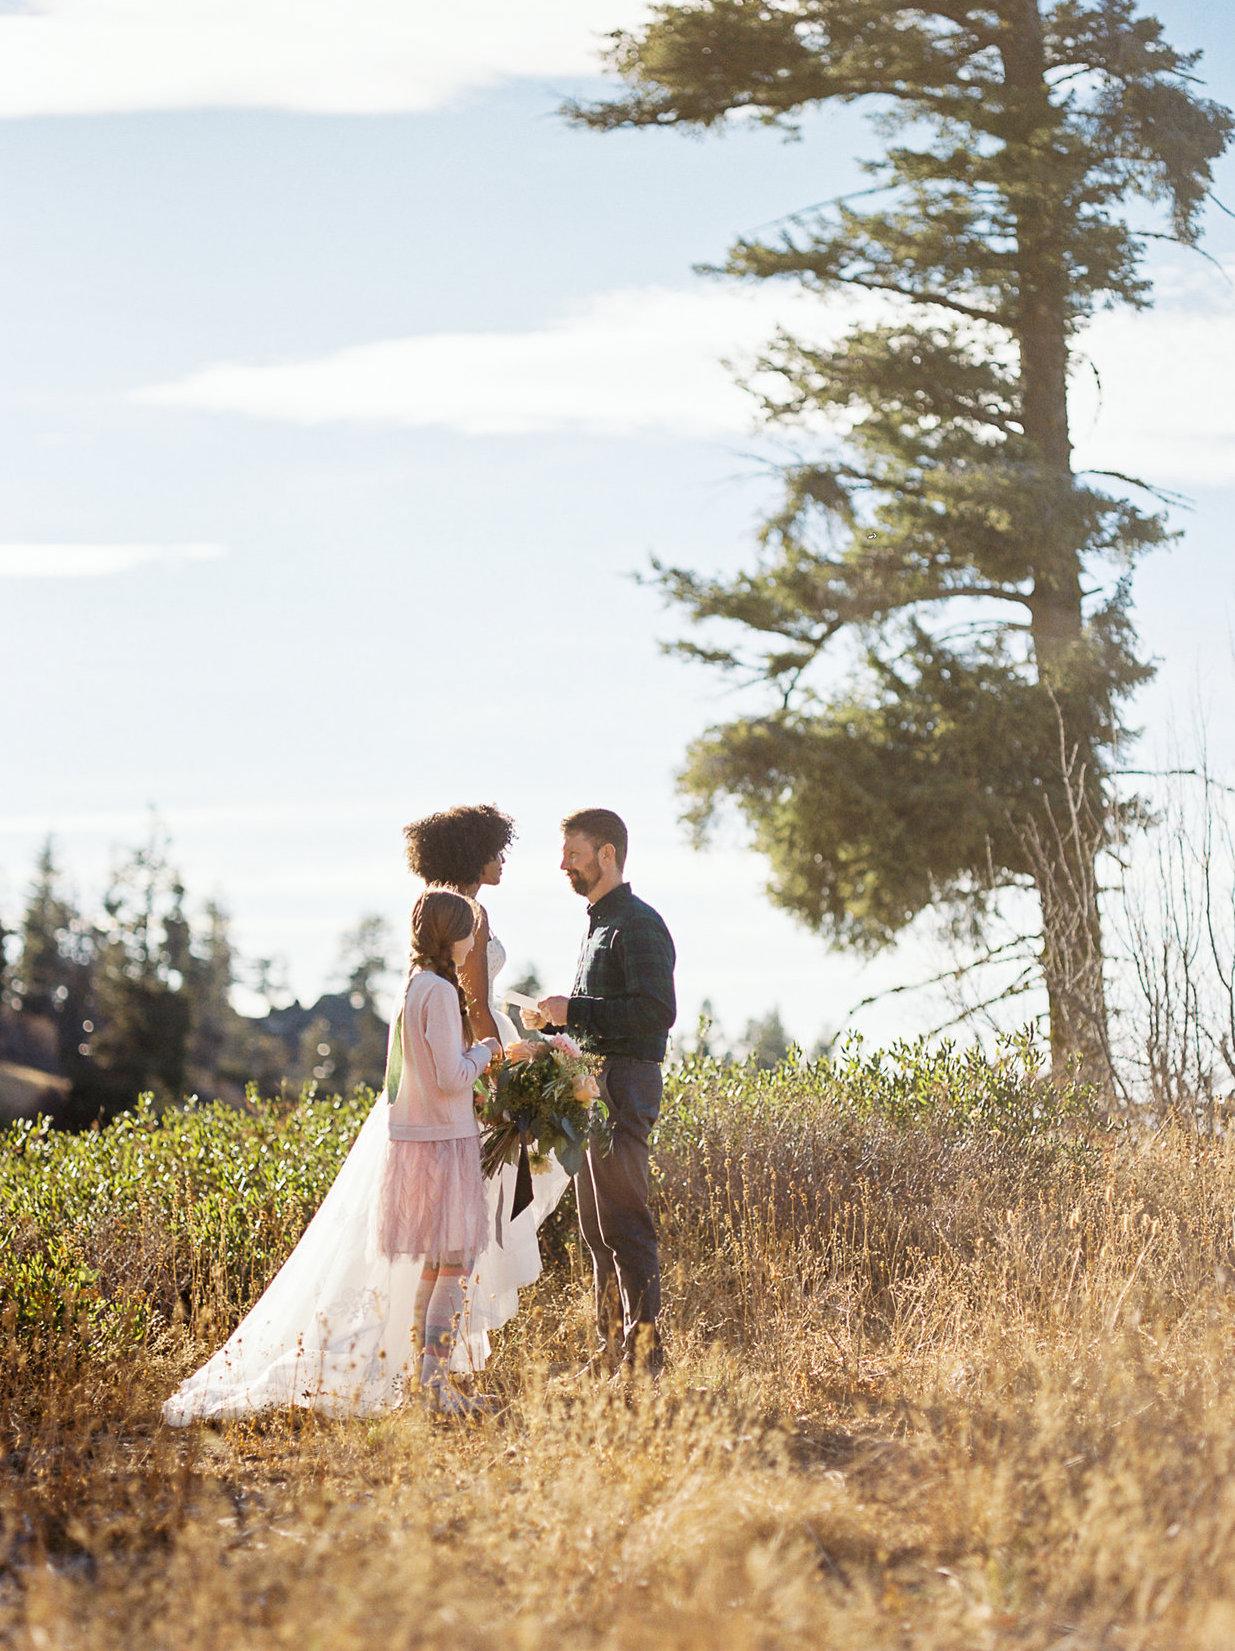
(439, 919)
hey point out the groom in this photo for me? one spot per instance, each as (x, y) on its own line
(622, 1007)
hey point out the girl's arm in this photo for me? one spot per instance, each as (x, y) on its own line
(456, 1068)
(475, 977)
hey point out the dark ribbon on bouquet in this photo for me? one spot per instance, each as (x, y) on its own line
(522, 1194)
(523, 1183)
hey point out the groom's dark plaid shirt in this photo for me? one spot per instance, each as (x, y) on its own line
(623, 1001)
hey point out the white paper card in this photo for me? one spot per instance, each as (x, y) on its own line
(519, 999)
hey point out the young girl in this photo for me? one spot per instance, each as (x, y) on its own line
(432, 1200)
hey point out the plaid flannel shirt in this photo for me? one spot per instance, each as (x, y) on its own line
(623, 1001)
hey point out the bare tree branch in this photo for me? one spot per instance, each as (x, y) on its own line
(1006, 953)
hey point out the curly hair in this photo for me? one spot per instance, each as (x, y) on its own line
(452, 849)
(440, 918)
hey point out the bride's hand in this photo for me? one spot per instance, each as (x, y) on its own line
(493, 1046)
(533, 1020)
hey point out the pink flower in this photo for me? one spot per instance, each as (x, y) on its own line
(517, 1053)
(566, 1044)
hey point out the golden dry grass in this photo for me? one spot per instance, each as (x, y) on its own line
(927, 1391)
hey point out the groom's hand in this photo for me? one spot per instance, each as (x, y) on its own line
(555, 1010)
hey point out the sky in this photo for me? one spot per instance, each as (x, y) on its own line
(345, 389)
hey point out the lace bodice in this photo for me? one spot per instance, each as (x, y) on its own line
(495, 958)
(496, 962)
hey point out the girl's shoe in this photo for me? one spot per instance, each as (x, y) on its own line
(444, 1399)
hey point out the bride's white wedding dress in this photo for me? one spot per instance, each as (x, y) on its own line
(333, 1331)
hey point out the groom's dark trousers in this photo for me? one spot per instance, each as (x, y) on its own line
(622, 1006)
(617, 1226)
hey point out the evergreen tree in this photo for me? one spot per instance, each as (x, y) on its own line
(47, 932)
(529, 984)
(765, 1040)
(53, 975)
(709, 1044)
(268, 978)
(145, 956)
(317, 1060)
(6, 934)
(1016, 136)
(262, 1059)
(365, 966)
(215, 1053)
(364, 961)
(824, 1046)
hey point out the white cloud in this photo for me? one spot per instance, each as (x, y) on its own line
(1157, 402)
(645, 360)
(46, 561)
(651, 361)
(329, 56)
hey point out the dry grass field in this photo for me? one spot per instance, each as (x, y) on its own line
(943, 1377)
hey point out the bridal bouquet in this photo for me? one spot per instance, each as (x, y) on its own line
(544, 1098)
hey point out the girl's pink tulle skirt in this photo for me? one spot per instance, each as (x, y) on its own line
(432, 1200)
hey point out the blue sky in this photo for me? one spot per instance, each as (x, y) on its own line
(343, 387)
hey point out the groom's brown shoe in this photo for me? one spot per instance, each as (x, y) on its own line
(600, 1367)
(645, 1352)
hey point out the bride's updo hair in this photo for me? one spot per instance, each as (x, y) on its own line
(452, 849)
(439, 919)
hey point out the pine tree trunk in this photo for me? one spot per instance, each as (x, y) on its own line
(1068, 841)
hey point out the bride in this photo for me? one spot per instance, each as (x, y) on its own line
(333, 1332)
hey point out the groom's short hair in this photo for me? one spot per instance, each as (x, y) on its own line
(599, 826)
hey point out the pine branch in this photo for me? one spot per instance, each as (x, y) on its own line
(995, 592)
(1027, 981)
(1188, 246)
(1178, 501)
(816, 206)
(970, 311)
(1176, 774)
(641, 110)
(1009, 952)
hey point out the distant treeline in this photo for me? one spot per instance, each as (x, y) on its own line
(134, 994)
(97, 1005)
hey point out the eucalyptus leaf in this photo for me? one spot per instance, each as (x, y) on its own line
(571, 1159)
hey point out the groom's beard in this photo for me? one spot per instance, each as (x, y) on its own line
(580, 883)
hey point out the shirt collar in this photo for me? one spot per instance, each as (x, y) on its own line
(608, 904)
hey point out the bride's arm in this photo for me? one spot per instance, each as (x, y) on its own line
(475, 973)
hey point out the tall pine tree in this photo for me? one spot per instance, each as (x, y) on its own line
(216, 1044)
(145, 957)
(52, 978)
(364, 964)
(46, 934)
(1017, 138)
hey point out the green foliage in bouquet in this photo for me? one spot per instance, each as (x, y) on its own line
(548, 1101)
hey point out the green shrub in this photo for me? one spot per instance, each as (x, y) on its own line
(912, 1084)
